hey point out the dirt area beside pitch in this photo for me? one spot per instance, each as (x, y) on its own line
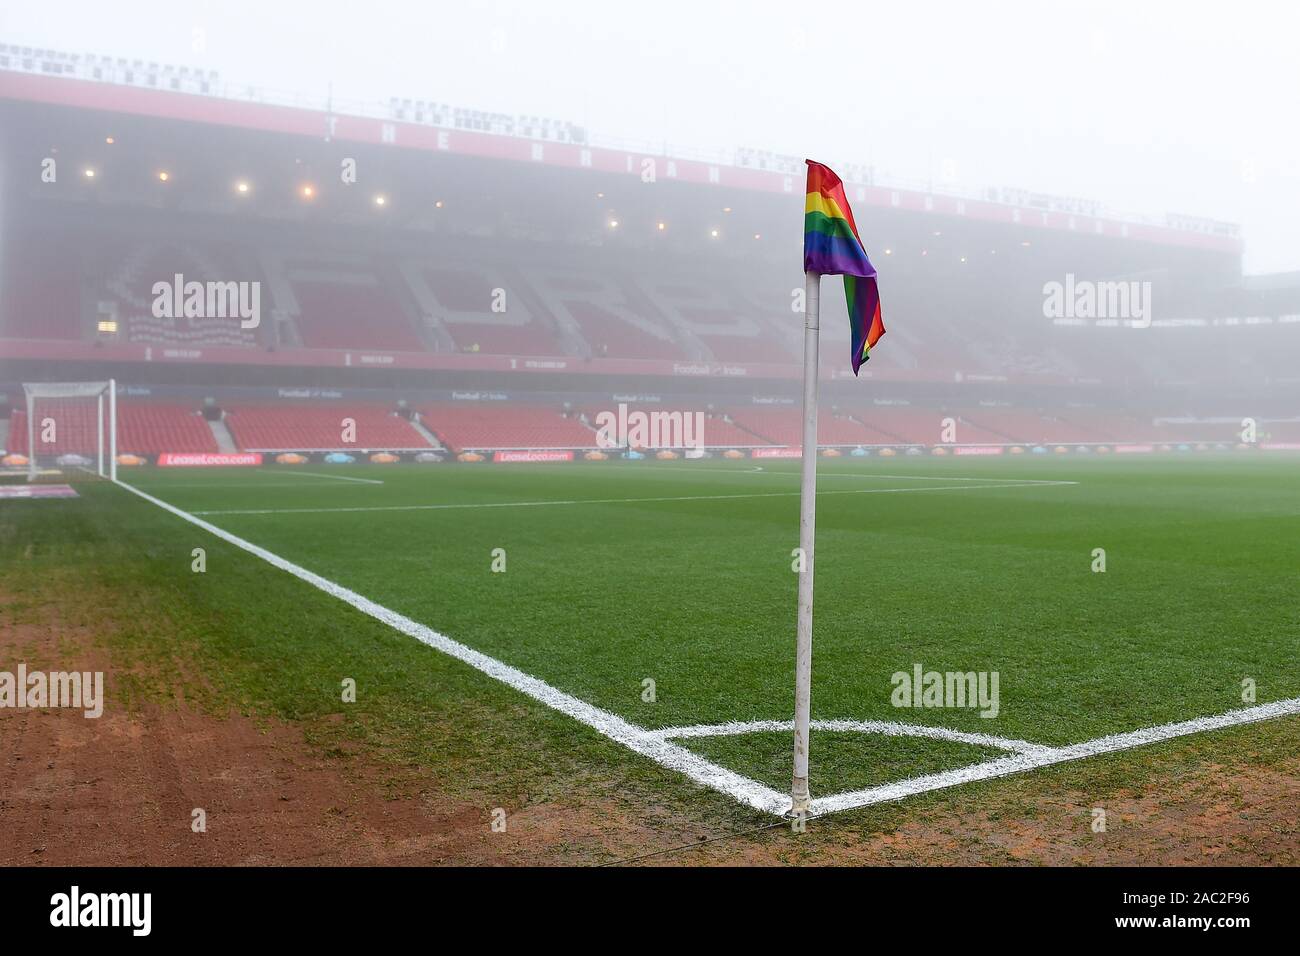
(124, 788)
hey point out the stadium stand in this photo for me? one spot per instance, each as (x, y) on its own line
(1107, 425)
(143, 428)
(784, 426)
(333, 300)
(1280, 430)
(151, 428)
(505, 426)
(465, 299)
(611, 337)
(667, 312)
(970, 432)
(1000, 424)
(1215, 430)
(120, 278)
(720, 431)
(1057, 430)
(605, 312)
(905, 423)
(339, 315)
(41, 298)
(319, 428)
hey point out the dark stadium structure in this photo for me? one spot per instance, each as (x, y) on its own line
(463, 282)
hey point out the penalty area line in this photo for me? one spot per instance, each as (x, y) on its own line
(456, 506)
(637, 739)
(315, 474)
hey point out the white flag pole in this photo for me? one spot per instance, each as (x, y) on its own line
(112, 429)
(807, 538)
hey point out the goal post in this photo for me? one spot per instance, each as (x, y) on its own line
(71, 425)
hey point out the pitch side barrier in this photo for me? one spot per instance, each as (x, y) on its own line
(270, 458)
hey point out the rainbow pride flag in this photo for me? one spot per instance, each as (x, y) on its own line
(832, 246)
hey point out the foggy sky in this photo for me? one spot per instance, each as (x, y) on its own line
(1149, 107)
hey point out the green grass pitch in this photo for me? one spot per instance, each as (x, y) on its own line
(680, 573)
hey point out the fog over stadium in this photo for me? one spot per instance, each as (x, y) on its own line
(1071, 193)
(484, 337)
(1148, 108)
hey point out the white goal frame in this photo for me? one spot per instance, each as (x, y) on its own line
(33, 391)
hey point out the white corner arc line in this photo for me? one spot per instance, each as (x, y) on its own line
(457, 506)
(1018, 763)
(637, 739)
(887, 728)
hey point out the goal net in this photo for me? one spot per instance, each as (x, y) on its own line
(66, 430)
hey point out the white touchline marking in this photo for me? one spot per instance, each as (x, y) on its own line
(653, 743)
(187, 485)
(886, 727)
(1018, 481)
(313, 474)
(614, 501)
(637, 739)
(885, 475)
(1019, 763)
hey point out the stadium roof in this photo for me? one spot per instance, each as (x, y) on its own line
(47, 77)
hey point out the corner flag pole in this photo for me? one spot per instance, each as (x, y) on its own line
(807, 538)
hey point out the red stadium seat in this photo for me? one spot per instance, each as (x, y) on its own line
(143, 428)
(344, 316)
(320, 428)
(481, 426)
(784, 426)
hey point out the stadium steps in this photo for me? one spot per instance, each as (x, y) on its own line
(568, 335)
(568, 331)
(688, 341)
(899, 439)
(428, 436)
(763, 439)
(221, 434)
(286, 329)
(572, 339)
(435, 332)
(883, 432)
(984, 434)
(998, 432)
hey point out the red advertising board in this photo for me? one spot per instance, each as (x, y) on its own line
(776, 453)
(172, 459)
(553, 455)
